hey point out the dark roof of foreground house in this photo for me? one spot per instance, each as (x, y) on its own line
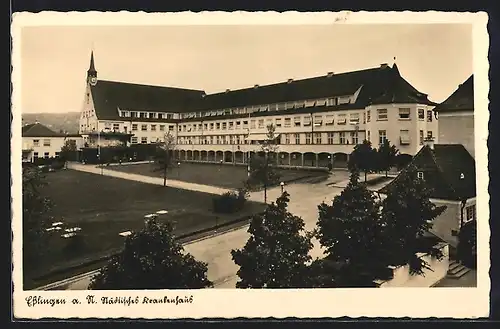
(108, 96)
(449, 171)
(461, 99)
(381, 85)
(38, 130)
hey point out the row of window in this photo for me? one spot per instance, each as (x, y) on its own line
(45, 155)
(147, 115)
(331, 101)
(144, 127)
(36, 142)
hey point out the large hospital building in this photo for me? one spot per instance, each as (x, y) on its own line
(318, 120)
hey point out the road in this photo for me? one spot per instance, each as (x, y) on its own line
(216, 250)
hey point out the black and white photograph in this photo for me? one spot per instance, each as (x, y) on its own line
(180, 159)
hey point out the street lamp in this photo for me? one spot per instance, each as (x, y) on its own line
(282, 184)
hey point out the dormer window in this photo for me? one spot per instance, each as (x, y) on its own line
(420, 175)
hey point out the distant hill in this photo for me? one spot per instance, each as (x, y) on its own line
(67, 122)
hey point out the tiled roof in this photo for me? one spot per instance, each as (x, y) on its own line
(381, 85)
(109, 95)
(461, 99)
(449, 171)
(38, 130)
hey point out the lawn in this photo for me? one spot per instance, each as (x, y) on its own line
(104, 206)
(220, 175)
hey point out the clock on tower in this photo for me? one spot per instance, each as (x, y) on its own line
(91, 72)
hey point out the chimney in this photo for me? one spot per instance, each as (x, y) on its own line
(290, 81)
(329, 74)
(228, 90)
(384, 65)
(256, 86)
(429, 142)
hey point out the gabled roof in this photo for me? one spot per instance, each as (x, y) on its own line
(108, 96)
(374, 83)
(381, 85)
(38, 130)
(461, 99)
(449, 171)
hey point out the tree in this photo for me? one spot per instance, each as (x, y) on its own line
(277, 252)
(351, 232)
(262, 170)
(386, 156)
(36, 217)
(164, 156)
(67, 150)
(152, 259)
(407, 214)
(363, 158)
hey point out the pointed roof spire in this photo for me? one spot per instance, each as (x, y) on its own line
(92, 65)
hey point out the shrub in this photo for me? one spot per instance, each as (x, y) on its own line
(230, 202)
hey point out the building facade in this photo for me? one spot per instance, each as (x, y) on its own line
(317, 120)
(41, 142)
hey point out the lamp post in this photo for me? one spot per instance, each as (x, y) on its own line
(282, 184)
(178, 171)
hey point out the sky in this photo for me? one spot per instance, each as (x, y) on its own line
(434, 58)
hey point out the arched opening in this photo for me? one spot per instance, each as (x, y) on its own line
(296, 159)
(196, 155)
(340, 160)
(284, 159)
(204, 156)
(211, 156)
(238, 157)
(219, 156)
(189, 155)
(324, 159)
(309, 159)
(182, 155)
(228, 156)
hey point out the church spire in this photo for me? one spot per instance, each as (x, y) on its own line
(91, 72)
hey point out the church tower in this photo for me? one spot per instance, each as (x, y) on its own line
(91, 72)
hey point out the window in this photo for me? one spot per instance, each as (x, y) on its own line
(300, 104)
(330, 138)
(429, 116)
(36, 142)
(152, 115)
(261, 123)
(354, 118)
(318, 139)
(329, 120)
(420, 175)
(162, 127)
(307, 121)
(297, 138)
(404, 114)
(429, 134)
(368, 135)
(57, 154)
(421, 114)
(330, 101)
(46, 154)
(288, 122)
(46, 142)
(382, 114)
(342, 119)
(278, 122)
(212, 126)
(354, 137)
(252, 124)
(342, 137)
(318, 120)
(310, 103)
(142, 114)
(160, 116)
(231, 125)
(144, 127)
(134, 126)
(245, 124)
(272, 107)
(200, 126)
(153, 127)
(470, 212)
(368, 115)
(421, 135)
(308, 138)
(144, 140)
(296, 121)
(116, 126)
(133, 140)
(217, 125)
(404, 137)
(238, 124)
(35, 155)
(382, 136)
(231, 139)
(171, 128)
(287, 138)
